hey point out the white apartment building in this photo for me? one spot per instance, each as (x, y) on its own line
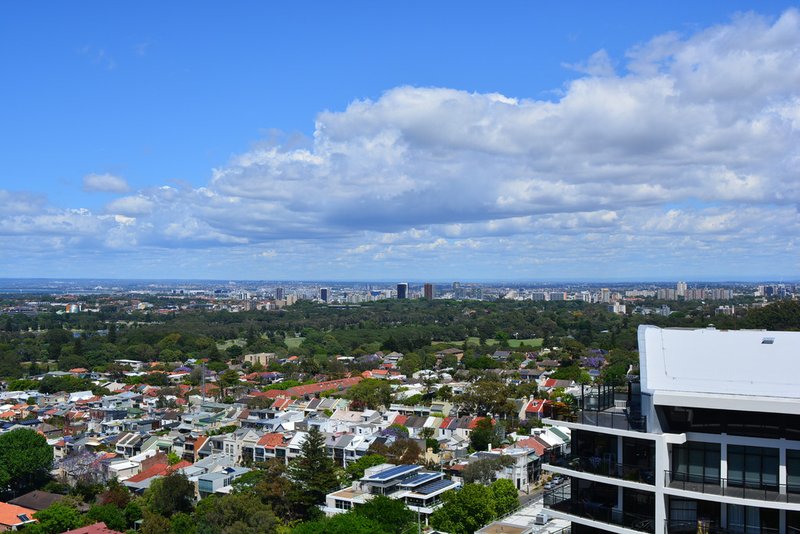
(707, 441)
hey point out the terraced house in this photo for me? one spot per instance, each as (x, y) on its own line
(707, 439)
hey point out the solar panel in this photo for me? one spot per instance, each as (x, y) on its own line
(419, 478)
(395, 471)
(437, 485)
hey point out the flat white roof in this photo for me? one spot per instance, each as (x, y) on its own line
(706, 361)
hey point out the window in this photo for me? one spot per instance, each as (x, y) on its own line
(752, 467)
(793, 471)
(343, 505)
(751, 520)
(696, 462)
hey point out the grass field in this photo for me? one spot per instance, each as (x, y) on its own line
(293, 342)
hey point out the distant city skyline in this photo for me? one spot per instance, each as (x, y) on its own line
(311, 141)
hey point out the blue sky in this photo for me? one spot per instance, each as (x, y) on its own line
(420, 140)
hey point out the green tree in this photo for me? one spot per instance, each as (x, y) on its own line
(154, 524)
(505, 496)
(170, 494)
(109, 514)
(371, 393)
(464, 511)
(313, 471)
(58, 517)
(484, 470)
(239, 513)
(181, 523)
(487, 396)
(483, 435)
(228, 379)
(349, 523)
(25, 461)
(391, 514)
(271, 483)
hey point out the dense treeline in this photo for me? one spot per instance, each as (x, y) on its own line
(94, 340)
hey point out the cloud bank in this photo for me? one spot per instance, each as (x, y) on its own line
(681, 157)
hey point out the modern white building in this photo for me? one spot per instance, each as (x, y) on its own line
(420, 490)
(708, 440)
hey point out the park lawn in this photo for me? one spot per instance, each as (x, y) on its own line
(230, 342)
(293, 342)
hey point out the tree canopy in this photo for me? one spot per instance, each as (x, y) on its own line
(25, 461)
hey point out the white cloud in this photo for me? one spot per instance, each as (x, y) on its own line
(692, 145)
(131, 206)
(104, 183)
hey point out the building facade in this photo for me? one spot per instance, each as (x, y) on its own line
(707, 440)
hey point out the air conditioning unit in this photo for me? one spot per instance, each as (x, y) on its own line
(541, 519)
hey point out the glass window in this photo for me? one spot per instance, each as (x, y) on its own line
(793, 472)
(752, 467)
(696, 462)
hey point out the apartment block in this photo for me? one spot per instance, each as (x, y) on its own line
(705, 440)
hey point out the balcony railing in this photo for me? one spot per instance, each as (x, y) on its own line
(560, 500)
(597, 466)
(789, 493)
(712, 527)
(619, 420)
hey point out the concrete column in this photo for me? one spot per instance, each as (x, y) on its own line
(723, 456)
(782, 466)
(662, 465)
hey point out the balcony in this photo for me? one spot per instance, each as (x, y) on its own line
(787, 493)
(601, 405)
(597, 466)
(712, 527)
(560, 500)
(616, 418)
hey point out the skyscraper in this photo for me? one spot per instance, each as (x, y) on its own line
(279, 293)
(323, 294)
(402, 291)
(680, 289)
(428, 291)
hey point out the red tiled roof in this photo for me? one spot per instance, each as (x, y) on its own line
(319, 387)
(9, 513)
(271, 440)
(446, 421)
(270, 393)
(532, 443)
(474, 423)
(179, 465)
(155, 470)
(281, 403)
(537, 405)
(400, 420)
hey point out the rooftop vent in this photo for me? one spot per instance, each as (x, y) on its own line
(768, 341)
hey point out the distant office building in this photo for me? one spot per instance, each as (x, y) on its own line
(402, 291)
(605, 295)
(427, 291)
(279, 293)
(680, 289)
(458, 291)
(324, 294)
